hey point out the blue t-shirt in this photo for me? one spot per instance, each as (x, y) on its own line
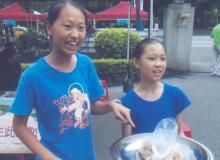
(62, 104)
(146, 114)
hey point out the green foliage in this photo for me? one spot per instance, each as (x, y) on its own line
(25, 65)
(114, 70)
(112, 42)
(32, 45)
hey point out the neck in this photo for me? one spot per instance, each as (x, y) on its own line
(149, 90)
(61, 62)
(149, 85)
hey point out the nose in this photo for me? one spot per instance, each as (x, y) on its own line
(74, 33)
(158, 62)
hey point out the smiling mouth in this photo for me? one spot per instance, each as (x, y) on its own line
(72, 45)
(157, 71)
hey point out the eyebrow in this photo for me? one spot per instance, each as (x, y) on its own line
(153, 53)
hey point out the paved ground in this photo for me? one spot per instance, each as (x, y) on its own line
(203, 116)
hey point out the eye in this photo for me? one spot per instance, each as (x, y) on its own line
(67, 26)
(82, 28)
(163, 59)
(151, 58)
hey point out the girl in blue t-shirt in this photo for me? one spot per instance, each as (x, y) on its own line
(152, 100)
(64, 89)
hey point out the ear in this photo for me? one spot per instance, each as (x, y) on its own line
(49, 29)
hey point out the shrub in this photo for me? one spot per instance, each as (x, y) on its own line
(114, 70)
(32, 45)
(112, 42)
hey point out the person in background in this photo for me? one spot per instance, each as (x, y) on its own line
(152, 100)
(215, 34)
(10, 68)
(64, 89)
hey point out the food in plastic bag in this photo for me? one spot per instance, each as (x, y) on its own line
(182, 152)
(145, 152)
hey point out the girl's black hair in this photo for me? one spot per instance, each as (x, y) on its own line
(56, 7)
(139, 49)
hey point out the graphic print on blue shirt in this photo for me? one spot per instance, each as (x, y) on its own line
(74, 108)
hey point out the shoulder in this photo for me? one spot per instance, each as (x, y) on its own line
(84, 61)
(216, 28)
(36, 68)
(172, 88)
(128, 97)
(83, 58)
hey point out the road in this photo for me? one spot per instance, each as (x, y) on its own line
(202, 117)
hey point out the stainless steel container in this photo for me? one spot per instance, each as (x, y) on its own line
(118, 149)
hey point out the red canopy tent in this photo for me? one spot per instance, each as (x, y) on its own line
(120, 11)
(16, 12)
(89, 15)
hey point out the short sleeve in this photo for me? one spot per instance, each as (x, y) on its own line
(24, 99)
(95, 87)
(181, 100)
(129, 100)
(125, 101)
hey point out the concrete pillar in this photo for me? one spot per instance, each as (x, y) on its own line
(178, 29)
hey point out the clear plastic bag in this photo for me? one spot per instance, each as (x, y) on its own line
(164, 137)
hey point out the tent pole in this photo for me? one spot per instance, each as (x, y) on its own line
(37, 24)
(129, 26)
(128, 84)
(151, 18)
(94, 24)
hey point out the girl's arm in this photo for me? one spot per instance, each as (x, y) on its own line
(22, 132)
(120, 111)
(180, 121)
(126, 130)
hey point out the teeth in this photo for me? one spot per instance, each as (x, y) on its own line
(72, 43)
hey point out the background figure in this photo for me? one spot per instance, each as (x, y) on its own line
(10, 68)
(215, 68)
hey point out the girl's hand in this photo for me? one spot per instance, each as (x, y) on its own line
(122, 113)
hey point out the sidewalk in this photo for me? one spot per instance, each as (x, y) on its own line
(201, 54)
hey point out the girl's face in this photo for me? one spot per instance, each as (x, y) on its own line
(152, 63)
(68, 31)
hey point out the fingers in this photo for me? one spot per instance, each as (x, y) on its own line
(122, 113)
(128, 118)
(125, 118)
